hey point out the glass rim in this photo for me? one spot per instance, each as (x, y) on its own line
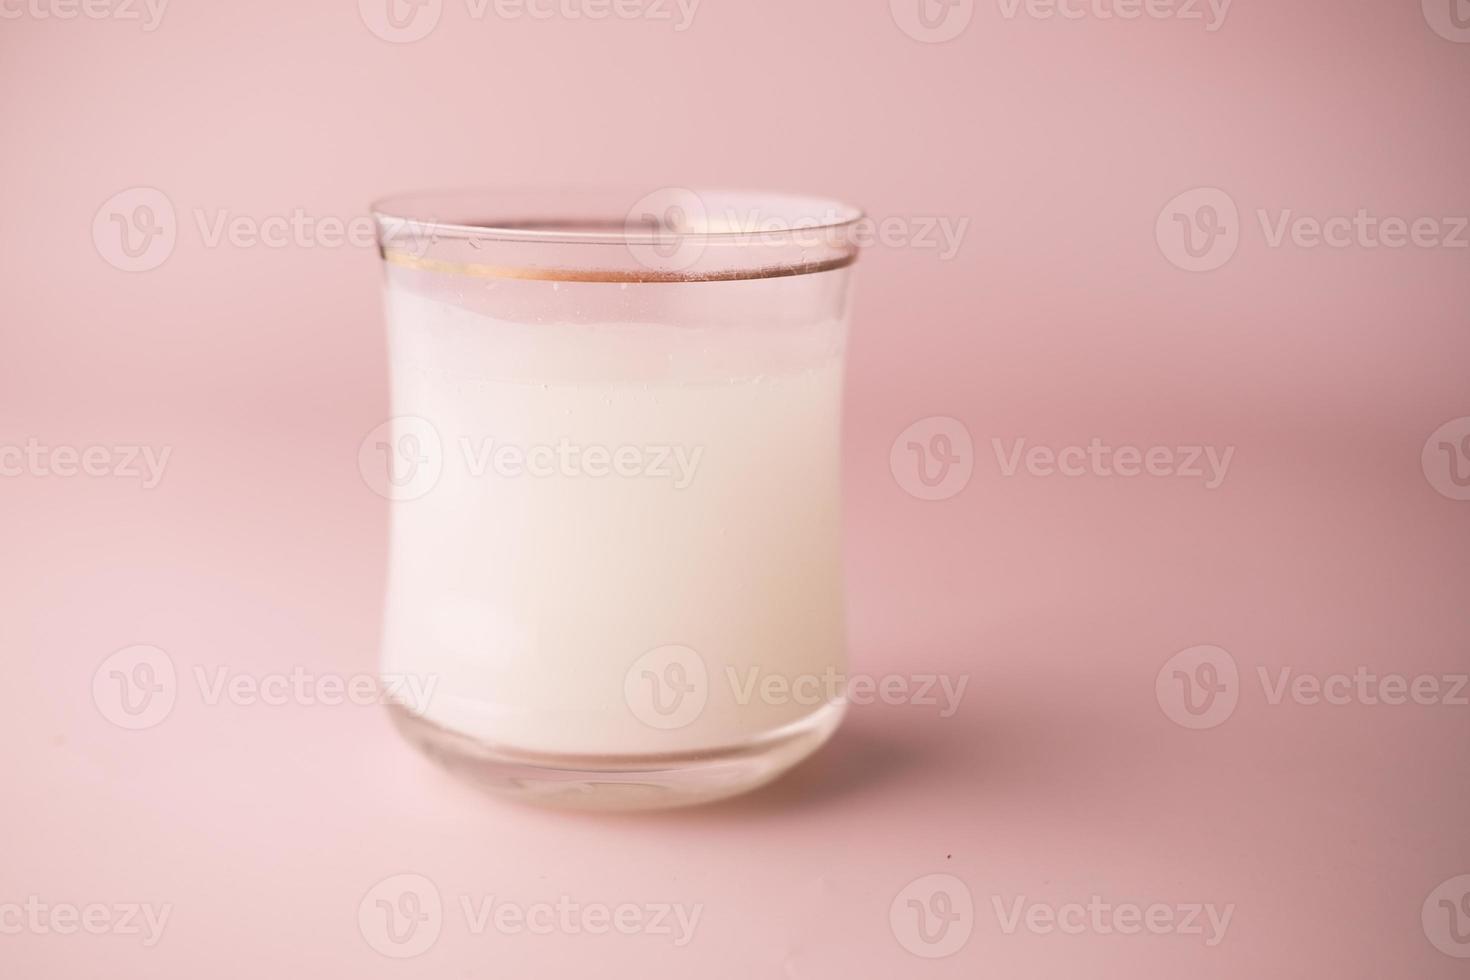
(673, 234)
(545, 215)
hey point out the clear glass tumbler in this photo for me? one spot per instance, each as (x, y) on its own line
(615, 552)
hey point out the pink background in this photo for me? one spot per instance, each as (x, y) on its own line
(1326, 549)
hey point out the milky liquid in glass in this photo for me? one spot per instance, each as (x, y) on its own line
(529, 597)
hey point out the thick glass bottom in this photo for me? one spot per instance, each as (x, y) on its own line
(633, 782)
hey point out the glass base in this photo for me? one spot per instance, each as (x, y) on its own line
(611, 782)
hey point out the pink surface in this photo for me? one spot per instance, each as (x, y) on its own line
(1337, 542)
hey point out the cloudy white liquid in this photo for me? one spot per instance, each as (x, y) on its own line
(528, 594)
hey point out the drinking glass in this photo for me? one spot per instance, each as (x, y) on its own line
(615, 572)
